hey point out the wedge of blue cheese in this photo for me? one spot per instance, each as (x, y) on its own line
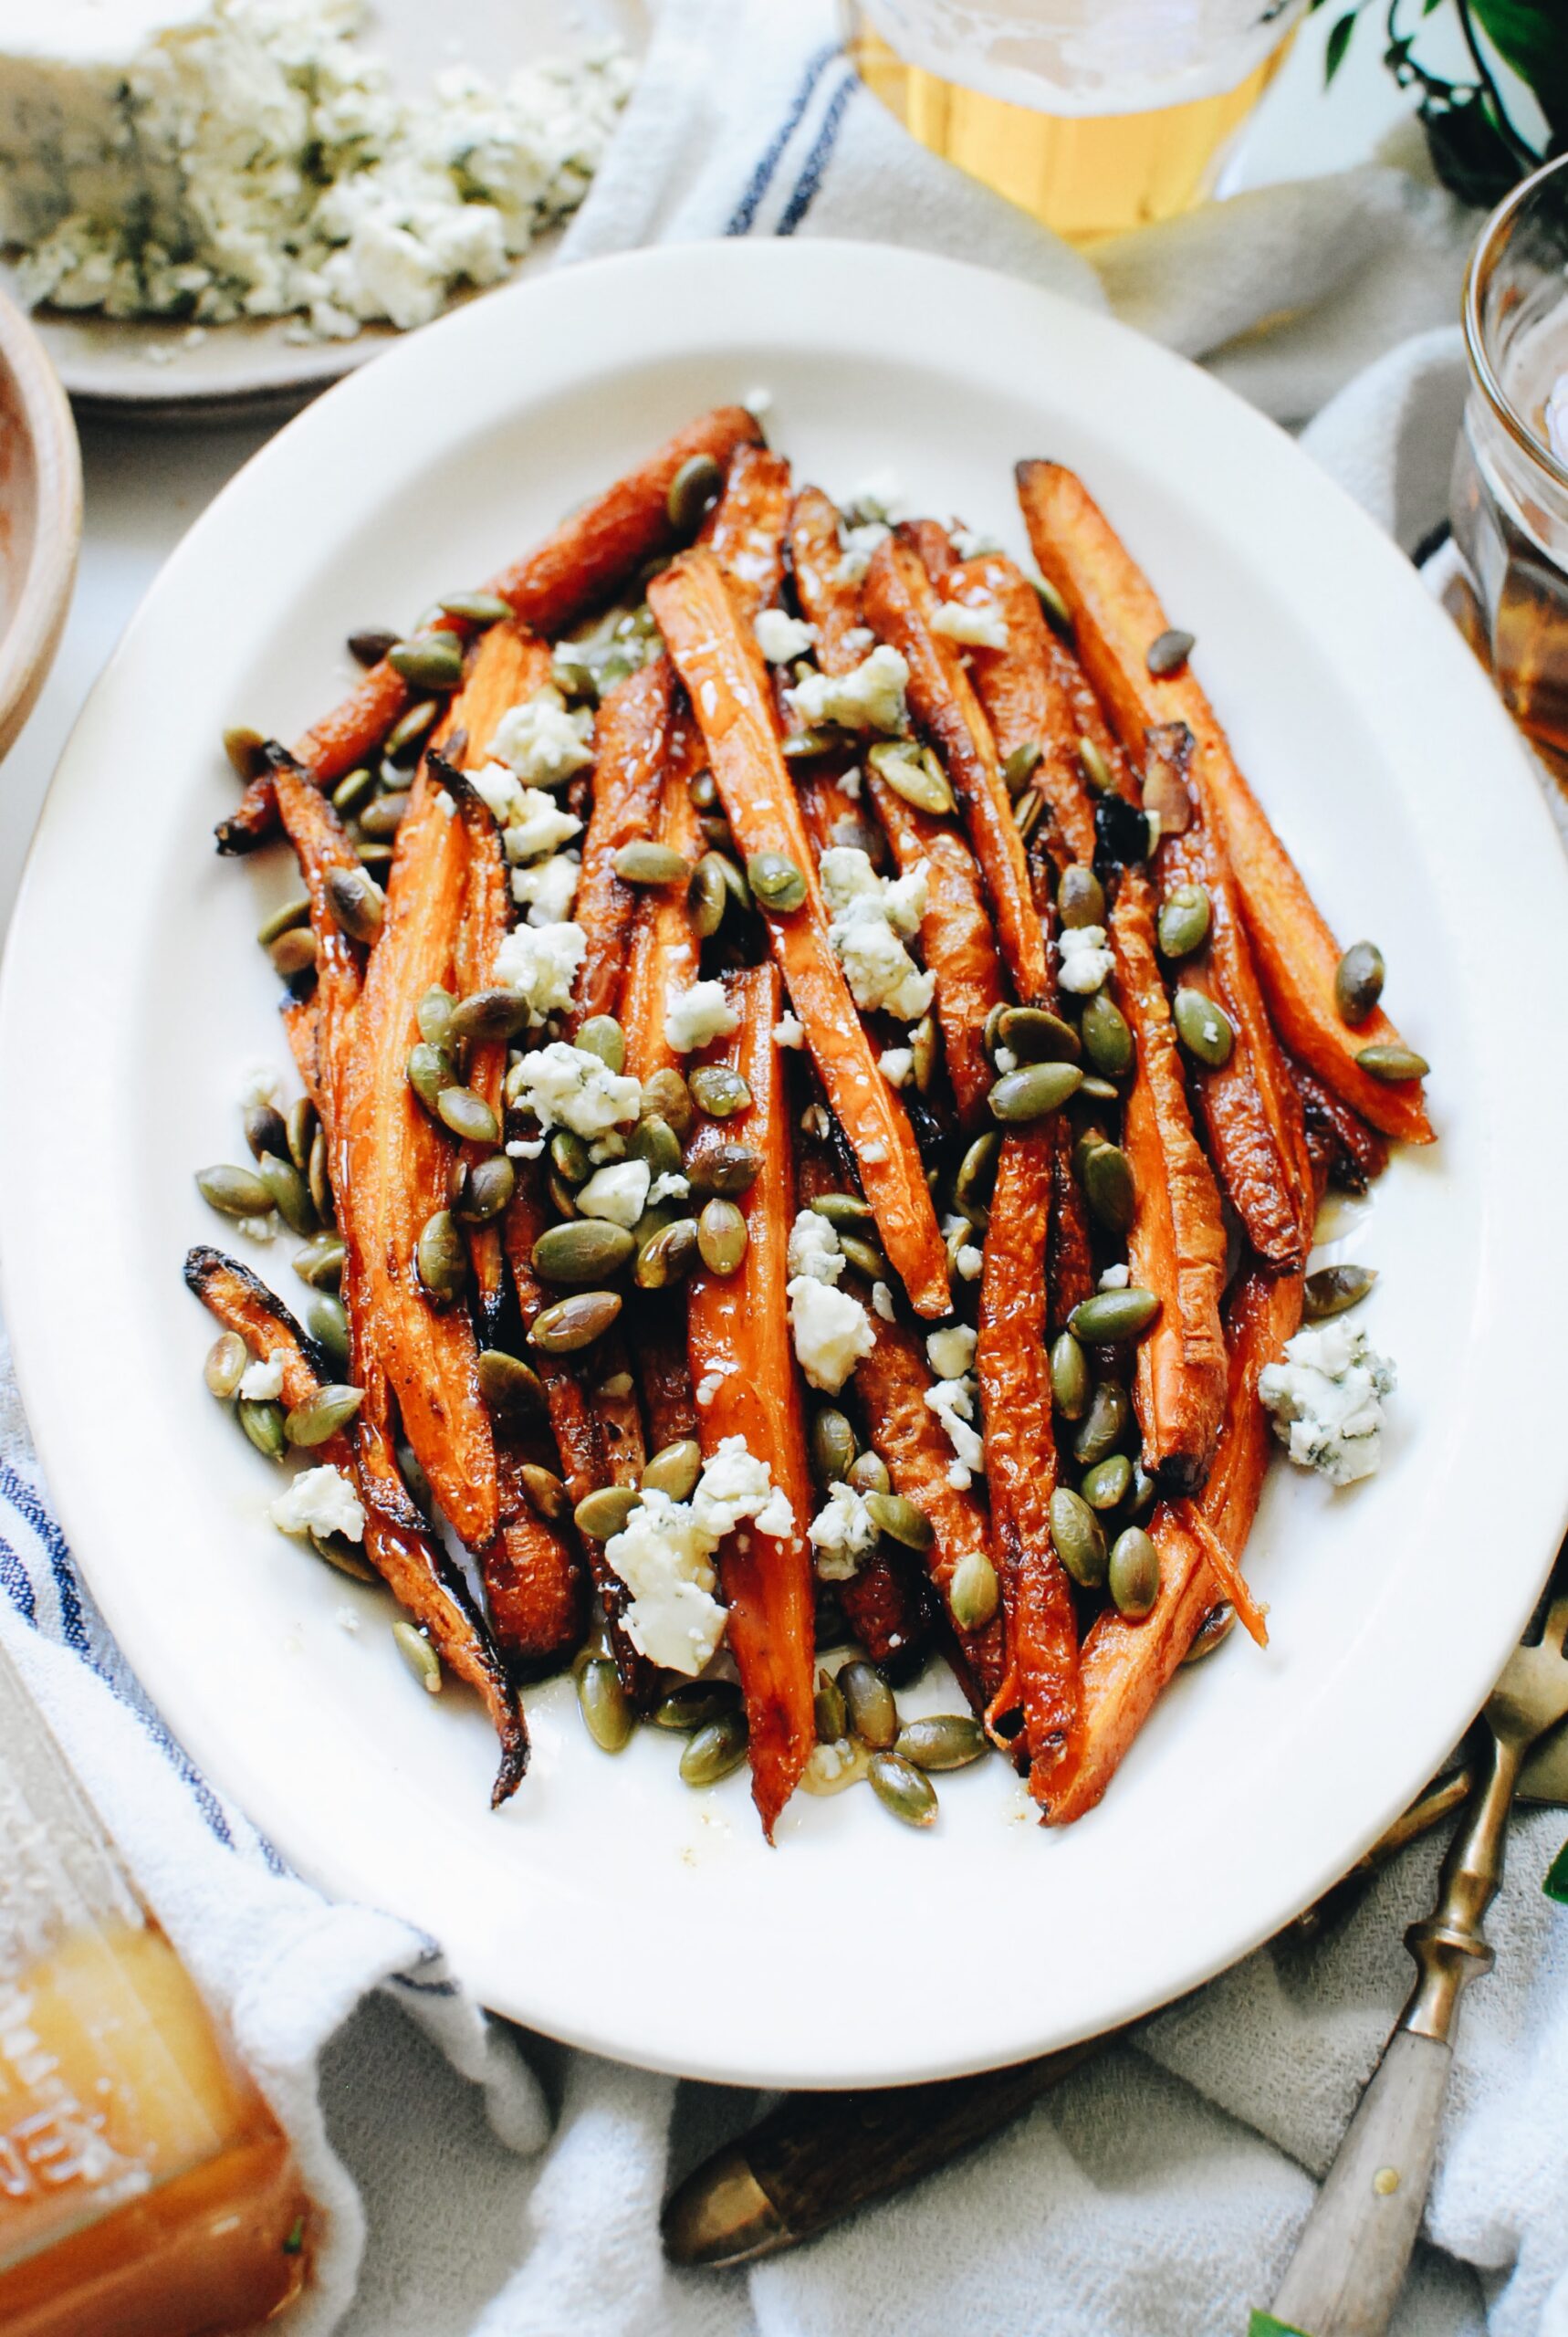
(217, 159)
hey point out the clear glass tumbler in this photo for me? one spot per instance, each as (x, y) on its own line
(1095, 115)
(1510, 495)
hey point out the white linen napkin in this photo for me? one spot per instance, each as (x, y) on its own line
(1157, 2193)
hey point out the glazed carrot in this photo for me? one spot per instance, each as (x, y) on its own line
(745, 529)
(901, 603)
(631, 744)
(664, 951)
(578, 564)
(1069, 1267)
(930, 542)
(888, 1610)
(1126, 1664)
(829, 600)
(1356, 1154)
(1117, 617)
(740, 1351)
(1014, 1373)
(957, 940)
(1034, 692)
(302, 1028)
(729, 692)
(417, 1570)
(534, 1588)
(1176, 1244)
(663, 1373)
(832, 795)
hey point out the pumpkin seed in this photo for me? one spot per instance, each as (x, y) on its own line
(868, 1474)
(478, 609)
(266, 1131)
(831, 1766)
(1214, 1629)
(1142, 1493)
(865, 1257)
(487, 1015)
(1113, 1315)
(236, 1192)
(487, 1187)
(1081, 897)
(891, 1515)
(430, 1073)
(1107, 1483)
(1168, 650)
(1029, 809)
(1056, 609)
(373, 855)
(588, 1250)
(944, 1741)
(1358, 981)
(601, 1035)
(832, 1443)
(228, 1359)
(1105, 1425)
(868, 1703)
(572, 1323)
(802, 746)
(1096, 1090)
(667, 1097)
(974, 1592)
(569, 1156)
(408, 733)
(1183, 920)
(293, 952)
(719, 1091)
(843, 1210)
(643, 862)
(1078, 1537)
(716, 1750)
(913, 773)
(734, 875)
(1134, 1574)
(431, 661)
(246, 750)
(1095, 766)
(698, 483)
(287, 1192)
(674, 1469)
(602, 1700)
(357, 902)
(261, 1420)
(1019, 767)
(605, 1511)
(323, 1415)
(721, 1237)
(1106, 1035)
(1333, 1289)
(1392, 1063)
(831, 1712)
(467, 1116)
(667, 1256)
(561, 1198)
(293, 913)
(547, 1496)
(1028, 1093)
(573, 676)
(433, 1016)
(976, 1170)
(1203, 1028)
(654, 1142)
(418, 1655)
(904, 1790)
(708, 897)
(300, 1132)
(728, 1167)
(694, 1706)
(354, 790)
(704, 791)
(1108, 1187)
(369, 647)
(776, 882)
(441, 1256)
(380, 819)
(1070, 1377)
(512, 1389)
(1035, 1036)
(925, 1048)
(327, 1321)
(341, 1554)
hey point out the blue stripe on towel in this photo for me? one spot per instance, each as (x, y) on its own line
(17, 1583)
(817, 161)
(745, 213)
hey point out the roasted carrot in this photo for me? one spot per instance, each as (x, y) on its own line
(578, 564)
(631, 748)
(302, 1028)
(900, 605)
(738, 1336)
(663, 1373)
(534, 1588)
(957, 940)
(745, 529)
(1034, 692)
(664, 951)
(930, 542)
(1176, 1244)
(404, 1552)
(1014, 1373)
(1117, 617)
(1356, 1153)
(829, 600)
(1069, 1269)
(722, 669)
(886, 1608)
(1126, 1664)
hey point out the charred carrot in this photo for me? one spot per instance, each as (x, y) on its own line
(957, 940)
(729, 692)
(1357, 1154)
(1117, 618)
(930, 542)
(738, 1336)
(631, 748)
(745, 529)
(665, 952)
(1176, 1244)
(1070, 1270)
(829, 600)
(1035, 694)
(886, 1609)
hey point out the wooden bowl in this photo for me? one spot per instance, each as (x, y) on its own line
(40, 517)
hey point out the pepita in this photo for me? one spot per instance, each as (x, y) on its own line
(373, 853)
(246, 750)
(441, 1256)
(601, 1035)
(925, 1049)
(843, 1210)
(604, 1513)
(1081, 897)
(708, 897)
(1392, 1064)
(721, 1237)
(547, 1496)
(674, 1469)
(944, 1741)
(1096, 1090)
(467, 1116)
(654, 1142)
(703, 788)
(561, 1198)
(1333, 1289)
(293, 952)
(265, 1130)
(370, 646)
(1183, 923)
(1358, 981)
(574, 677)
(418, 1655)
(1107, 1483)
(299, 1131)
(261, 1420)
(1028, 810)
(977, 1170)
(1033, 1035)
(913, 773)
(829, 1710)
(1108, 1188)
(380, 820)
(433, 1016)
(667, 1256)
(698, 483)
(868, 1473)
(512, 1390)
(487, 1015)
(588, 1250)
(602, 1700)
(1168, 651)
(1106, 1424)
(974, 1593)
(645, 862)
(1019, 767)
(431, 661)
(353, 791)
(569, 1156)
(1133, 1575)
(430, 1073)
(715, 1750)
(477, 609)
(293, 913)
(1095, 766)
(904, 1790)
(804, 746)
(357, 902)
(236, 1192)
(1214, 1629)
(341, 1554)
(1113, 1315)
(323, 1415)
(487, 1187)
(228, 1359)
(868, 1702)
(572, 1323)
(1078, 1537)
(693, 1706)
(287, 1192)
(1069, 1378)
(1107, 1036)
(1203, 1028)
(408, 733)
(719, 1090)
(891, 1515)
(327, 1321)
(1031, 1093)
(666, 1096)
(776, 883)
(832, 1444)
(1142, 1493)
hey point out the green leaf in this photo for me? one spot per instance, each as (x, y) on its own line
(1263, 2324)
(1469, 153)
(1532, 36)
(1338, 42)
(1556, 1883)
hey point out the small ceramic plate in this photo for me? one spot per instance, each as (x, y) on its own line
(607, 1904)
(40, 517)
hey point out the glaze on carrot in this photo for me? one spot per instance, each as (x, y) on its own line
(745, 529)
(631, 747)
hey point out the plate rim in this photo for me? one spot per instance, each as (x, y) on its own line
(23, 1296)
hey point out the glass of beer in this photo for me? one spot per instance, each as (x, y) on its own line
(1095, 115)
(1509, 500)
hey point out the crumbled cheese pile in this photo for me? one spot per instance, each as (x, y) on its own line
(664, 1554)
(1084, 963)
(567, 1087)
(216, 159)
(978, 624)
(870, 696)
(841, 1533)
(833, 1330)
(540, 961)
(871, 918)
(1326, 1400)
(955, 1399)
(697, 1014)
(320, 1501)
(781, 637)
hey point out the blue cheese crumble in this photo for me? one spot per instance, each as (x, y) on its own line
(664, 1554)
(1325, 1400)
(870, 696)
(871, 919)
